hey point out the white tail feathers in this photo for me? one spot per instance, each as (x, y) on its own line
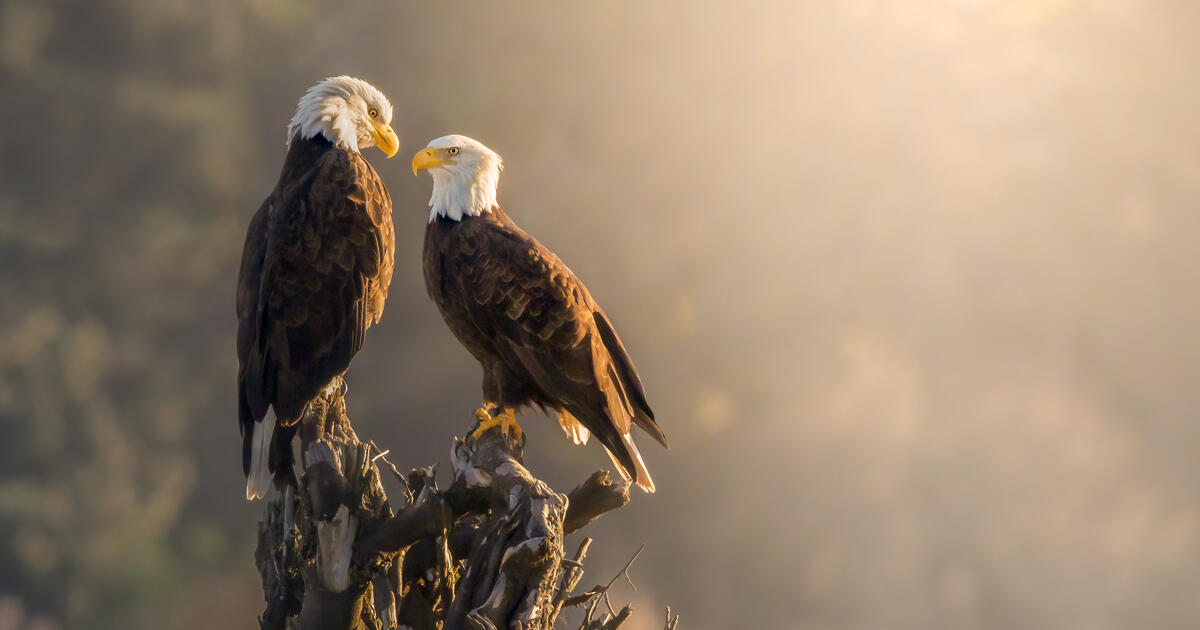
(258, 482)
(639, 467)
(643, 476)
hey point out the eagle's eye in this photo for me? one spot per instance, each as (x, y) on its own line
(453, 150)
(373, 112)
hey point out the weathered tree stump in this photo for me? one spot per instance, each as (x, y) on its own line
(307, 536)
(485, 553)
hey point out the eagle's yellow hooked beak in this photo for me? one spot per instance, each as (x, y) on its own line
(385, 139)
(425, 158)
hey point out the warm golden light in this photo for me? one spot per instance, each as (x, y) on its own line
(912, 287)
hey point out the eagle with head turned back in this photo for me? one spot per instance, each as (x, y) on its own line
(533, 326)
(315, 269)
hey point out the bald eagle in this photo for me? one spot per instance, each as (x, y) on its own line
(315, 269)
(533, 326)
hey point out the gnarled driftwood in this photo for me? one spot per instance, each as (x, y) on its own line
(485, 553)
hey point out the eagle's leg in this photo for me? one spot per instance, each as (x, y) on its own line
(506, 420)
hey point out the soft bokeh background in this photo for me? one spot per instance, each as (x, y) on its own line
(912, 285)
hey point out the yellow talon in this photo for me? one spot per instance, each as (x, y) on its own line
(507, 421)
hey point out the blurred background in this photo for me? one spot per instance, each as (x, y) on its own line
(912, 286)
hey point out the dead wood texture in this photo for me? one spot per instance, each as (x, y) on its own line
(484, 553)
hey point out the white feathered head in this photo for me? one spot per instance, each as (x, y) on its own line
(465, 174)
(349, 112)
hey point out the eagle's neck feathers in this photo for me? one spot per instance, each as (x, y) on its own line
(464, 190)
(329, 118)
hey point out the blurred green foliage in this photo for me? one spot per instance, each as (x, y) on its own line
(123, 190)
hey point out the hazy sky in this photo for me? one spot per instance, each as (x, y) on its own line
(911, 285)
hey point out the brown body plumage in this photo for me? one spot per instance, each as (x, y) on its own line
(540, 337)
(315, 272)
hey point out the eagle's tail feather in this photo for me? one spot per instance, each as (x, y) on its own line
(258, 480)
(641, 476)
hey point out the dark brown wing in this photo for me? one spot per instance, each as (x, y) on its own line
(629, 376)
(544, 324)
(323, 276)
(249, 280)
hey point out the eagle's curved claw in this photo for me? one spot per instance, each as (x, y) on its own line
(506, 420)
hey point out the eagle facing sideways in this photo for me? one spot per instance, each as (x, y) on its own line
(315, 269)
(540, 337)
